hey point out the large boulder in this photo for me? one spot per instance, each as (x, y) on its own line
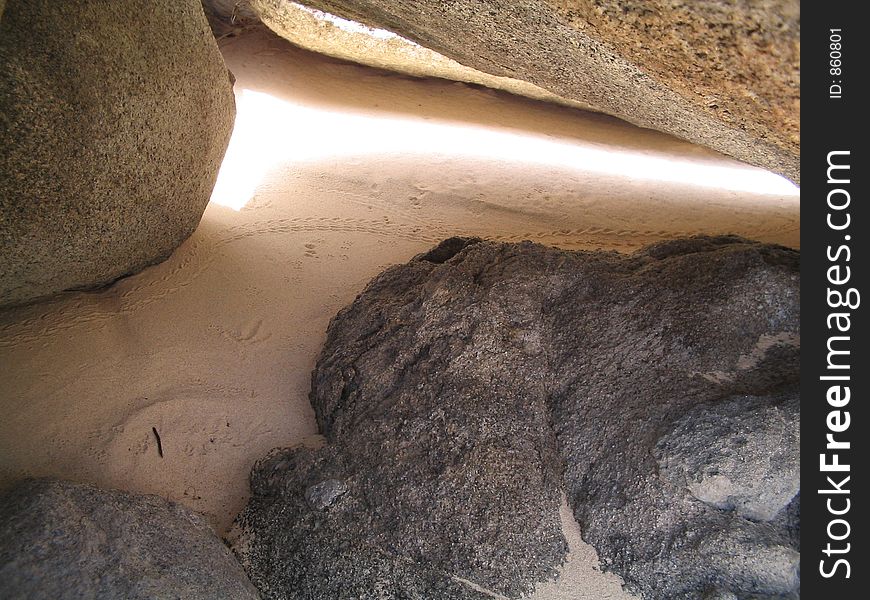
(114, 118)
(462, 392)
(715, 72)
(441, 472)
(63, 540)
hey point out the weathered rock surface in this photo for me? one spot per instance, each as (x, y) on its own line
(114, 122)
(742, 455)
(718, 73)
(663, 353)
(460, 392)
(439, 437)
(64, 540)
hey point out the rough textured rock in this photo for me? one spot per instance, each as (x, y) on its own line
(681, 330)
(458, 388)
(113, 125)
(64, 540)
(740, 59)
(742, 455)
(439, 436)
(720, 73)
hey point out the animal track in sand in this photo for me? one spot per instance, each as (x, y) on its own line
(250, 333)
(185, 265)
(200, 251)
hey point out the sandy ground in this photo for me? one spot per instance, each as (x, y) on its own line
(337, 171)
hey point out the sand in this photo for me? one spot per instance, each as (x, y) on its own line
(335, 171)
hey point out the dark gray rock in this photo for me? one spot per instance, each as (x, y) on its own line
(63, 540)
(719, 73)
(361, 546)
(441, 438)
(741, 454)
(458, 388)
(322, 495)
(658, 350)
(114, 119)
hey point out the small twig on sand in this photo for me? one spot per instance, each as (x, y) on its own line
(159, 443)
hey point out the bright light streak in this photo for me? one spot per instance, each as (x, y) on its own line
(352, 26)
(269, 132)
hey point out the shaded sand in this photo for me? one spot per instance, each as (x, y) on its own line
(213, 349)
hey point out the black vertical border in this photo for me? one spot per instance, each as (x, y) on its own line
(833, 124)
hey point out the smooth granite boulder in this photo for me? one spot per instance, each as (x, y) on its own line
(114, 119)
(63, 540)
(462, 392)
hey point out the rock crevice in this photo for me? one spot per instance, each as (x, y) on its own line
(721, 74)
